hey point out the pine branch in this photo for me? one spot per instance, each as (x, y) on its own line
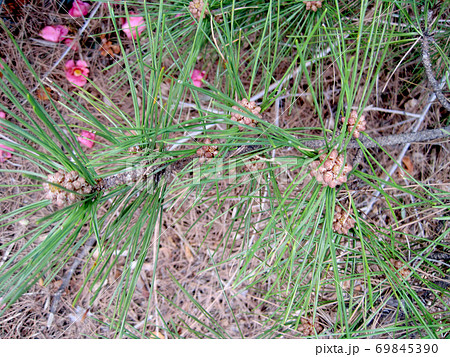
(429, 72)
(66, 280)
(159, 170)
(389, 140)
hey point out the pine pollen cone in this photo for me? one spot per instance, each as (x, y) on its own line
(330, 171)
(208, 151)
(342, 221)
(353, 121)
(306, 328)
(241, 118)
(71, 181)
(313, 5)
(196, 8)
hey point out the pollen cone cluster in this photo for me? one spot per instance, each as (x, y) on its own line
(330, 171)
(241, 118)
(313, 5)
(306, 328)
(208, 151)
(361, 126)
(342, 221)
(196, 8)
(70, 181)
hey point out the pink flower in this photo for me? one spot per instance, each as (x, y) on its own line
(197, 77)
(79, 9)
(68, 42)
(133, 27)
(5, 154)
(87, 138)
(54, 33)
(77, 73)
(2, 116)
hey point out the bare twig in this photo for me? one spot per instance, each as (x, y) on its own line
(437, 88)
(405, 148)
(388, 140)
(66, 280)
(154, 283)
(392, 111)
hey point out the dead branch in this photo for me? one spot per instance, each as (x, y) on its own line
(389, 140)
(65, 283)
(429, 72)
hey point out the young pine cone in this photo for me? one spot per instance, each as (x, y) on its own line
(361, 126)
(332, 171)
(208, 151)
(241, 118)
(196, 8)
(313, 5)
(402, 271)
(342, 221)
(69, 180)
(306, 328)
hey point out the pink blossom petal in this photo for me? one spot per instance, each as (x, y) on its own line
(2, 116)
(134, 26)
(4, 155)
(68, 42)
(54, 33)
(87, 138)
(197, 76)
(79, 9)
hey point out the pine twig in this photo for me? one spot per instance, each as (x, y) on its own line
(389, 140)
(159, 170)
(405, 149)
(66, 280)
(429, 72)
